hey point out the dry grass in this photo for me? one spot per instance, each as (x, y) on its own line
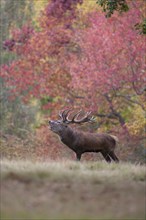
(72, 190)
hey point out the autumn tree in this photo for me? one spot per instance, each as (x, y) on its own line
(100, 65)
(41, 70)
(70, 60)
(110, 7)
(109, 71)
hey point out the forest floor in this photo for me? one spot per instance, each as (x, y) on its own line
(72, 190)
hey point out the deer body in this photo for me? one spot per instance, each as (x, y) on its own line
(81, 142)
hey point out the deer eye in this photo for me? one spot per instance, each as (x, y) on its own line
(58, 122)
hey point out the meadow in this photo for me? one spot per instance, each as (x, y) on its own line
(67, 189)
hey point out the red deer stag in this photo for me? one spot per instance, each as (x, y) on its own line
(81, 142)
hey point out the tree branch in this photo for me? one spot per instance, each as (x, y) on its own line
(128, 98)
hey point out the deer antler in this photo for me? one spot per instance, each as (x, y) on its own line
(87, 117)
(65, 117)
(64, 114)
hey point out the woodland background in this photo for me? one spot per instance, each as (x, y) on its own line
(75, 53)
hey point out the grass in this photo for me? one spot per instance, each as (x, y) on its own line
(66, 170)
(72, 190)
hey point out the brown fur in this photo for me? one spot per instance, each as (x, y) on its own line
(81, 142)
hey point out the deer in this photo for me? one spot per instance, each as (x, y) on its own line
(81, 142)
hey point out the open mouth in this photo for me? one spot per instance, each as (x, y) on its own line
(49, 124)
(50, 127)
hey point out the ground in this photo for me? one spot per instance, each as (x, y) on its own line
(72, 190)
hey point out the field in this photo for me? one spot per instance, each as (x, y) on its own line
(72, 190)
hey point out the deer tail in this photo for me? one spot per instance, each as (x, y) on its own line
(115, 138)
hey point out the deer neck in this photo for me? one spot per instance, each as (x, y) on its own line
(68, 136)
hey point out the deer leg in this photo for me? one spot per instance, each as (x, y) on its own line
(106, 157)
(78, 156)
(113, 156)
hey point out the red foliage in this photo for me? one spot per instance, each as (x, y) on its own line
(109, 71)
(19, 38)
(112, 56)
(40, 69)
(106, 66)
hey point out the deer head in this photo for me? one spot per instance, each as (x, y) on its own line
(59, 126)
